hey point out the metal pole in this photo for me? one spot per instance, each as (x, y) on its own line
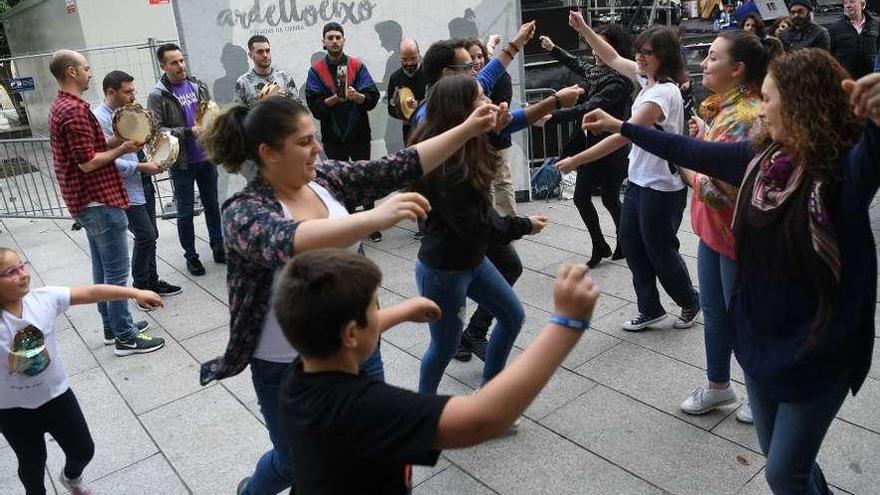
(151, 42)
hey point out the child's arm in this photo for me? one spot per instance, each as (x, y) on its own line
(469, 420)
(89, 294)
(417, 309)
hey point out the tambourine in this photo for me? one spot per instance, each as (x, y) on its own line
(206, 114)
(268, 88)
(163, 149)
(134, 123)
(403, 95)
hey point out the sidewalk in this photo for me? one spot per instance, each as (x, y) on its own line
(608, 423)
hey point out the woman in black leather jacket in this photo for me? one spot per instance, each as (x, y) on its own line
(612, 92)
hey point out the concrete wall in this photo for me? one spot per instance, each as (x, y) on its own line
(112, 22)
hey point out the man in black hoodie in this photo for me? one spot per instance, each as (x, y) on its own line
(174, 102)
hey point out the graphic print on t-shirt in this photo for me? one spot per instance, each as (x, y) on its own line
(28, 354)
(187, 99)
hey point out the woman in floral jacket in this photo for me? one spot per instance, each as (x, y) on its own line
(297, 203)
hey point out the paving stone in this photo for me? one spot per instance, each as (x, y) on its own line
(874, 372)
(398, 274)
(673, 454)
(849, 458)
(203, 431)
(150, 476)
(402, 370)
(210, 345)
(190, 313)
(534, 460)
(563, 387)
(147, 381)
(119, 438)
(77, 357)
(9, 482)
(424, 473)
(861, 410)
(451, 480)
(737, 432)
(664, 387)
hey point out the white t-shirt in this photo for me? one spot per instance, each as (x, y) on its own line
(649, 170)
(31, 367)
(273, 344)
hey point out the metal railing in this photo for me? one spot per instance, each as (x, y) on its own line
(548, 140)
(29, 187)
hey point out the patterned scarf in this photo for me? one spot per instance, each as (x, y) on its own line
(598, 75)
(776, 178)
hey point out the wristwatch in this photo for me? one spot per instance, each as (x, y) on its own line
(570, 322)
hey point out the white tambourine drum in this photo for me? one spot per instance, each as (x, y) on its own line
(164, 149)
(134, 123)
(206, 114)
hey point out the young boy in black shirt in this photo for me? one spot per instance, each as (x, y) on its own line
(350, 434)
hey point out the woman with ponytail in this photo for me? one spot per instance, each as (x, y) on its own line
(297, 203)
(733, 71)
(803, 305)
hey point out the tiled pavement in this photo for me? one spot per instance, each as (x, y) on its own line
(608, 423)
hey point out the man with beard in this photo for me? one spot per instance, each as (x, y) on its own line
(340, 91)
(249, 86)
(409, 75)
(804, 33)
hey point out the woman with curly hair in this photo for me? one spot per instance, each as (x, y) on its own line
(611, 91)
(804, 303)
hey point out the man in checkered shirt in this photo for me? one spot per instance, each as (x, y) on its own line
(95, 195)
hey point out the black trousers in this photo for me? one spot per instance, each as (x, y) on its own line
(349, 151)
(25, 430)
(142, 224)
(506, 260)
(608, 177)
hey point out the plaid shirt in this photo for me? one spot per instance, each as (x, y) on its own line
(76, 137)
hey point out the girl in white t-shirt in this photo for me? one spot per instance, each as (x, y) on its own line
(35, 396)
(656, 196)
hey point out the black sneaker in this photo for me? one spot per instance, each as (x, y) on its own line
(110, 338)
(140, 344)
(688, 316)
(376, 237)
(478, 342)
(419, 235)
(165, 289)
(463, 353)
(219, 255)
(642, 322)
(195, 267)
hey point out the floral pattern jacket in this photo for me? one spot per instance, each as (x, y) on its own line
(259, 240)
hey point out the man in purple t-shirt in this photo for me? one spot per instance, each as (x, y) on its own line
(174, 101)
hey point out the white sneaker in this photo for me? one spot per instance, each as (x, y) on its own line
(703, 399)
(744, 415)
(73, 486)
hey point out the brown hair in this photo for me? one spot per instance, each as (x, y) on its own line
(450, 103)
(318, 293)
(666, 47)
(237, 133)
(469, 42)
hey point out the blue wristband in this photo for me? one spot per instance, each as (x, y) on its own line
(570, 323)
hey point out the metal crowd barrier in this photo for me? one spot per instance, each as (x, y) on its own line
(29, 188)
(548, 140)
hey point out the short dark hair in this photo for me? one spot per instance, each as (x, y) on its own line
(439, 56)
(760, 27)
(114, 80)
(164, 48)
(332, 26)
(318, 293)
(257, 38)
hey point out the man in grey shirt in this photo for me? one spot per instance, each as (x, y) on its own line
(249, 86)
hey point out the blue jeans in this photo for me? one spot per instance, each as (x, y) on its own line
(649, 224)
(449, 289)
(717, 274)
(203, 174)
(108, 242)
(274, 471)
(790, 434)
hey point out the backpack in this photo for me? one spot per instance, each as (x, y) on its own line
(546, 180)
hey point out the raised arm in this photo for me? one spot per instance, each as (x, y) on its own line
(604, 50)
(493, 70)
(863, 165)
(573, 63)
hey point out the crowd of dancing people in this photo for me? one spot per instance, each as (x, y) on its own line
(781, 163)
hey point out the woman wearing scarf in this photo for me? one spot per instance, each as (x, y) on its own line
(733, 70)
(609, 90)
(803, 307)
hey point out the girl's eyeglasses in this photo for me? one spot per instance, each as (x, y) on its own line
(15, 271)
